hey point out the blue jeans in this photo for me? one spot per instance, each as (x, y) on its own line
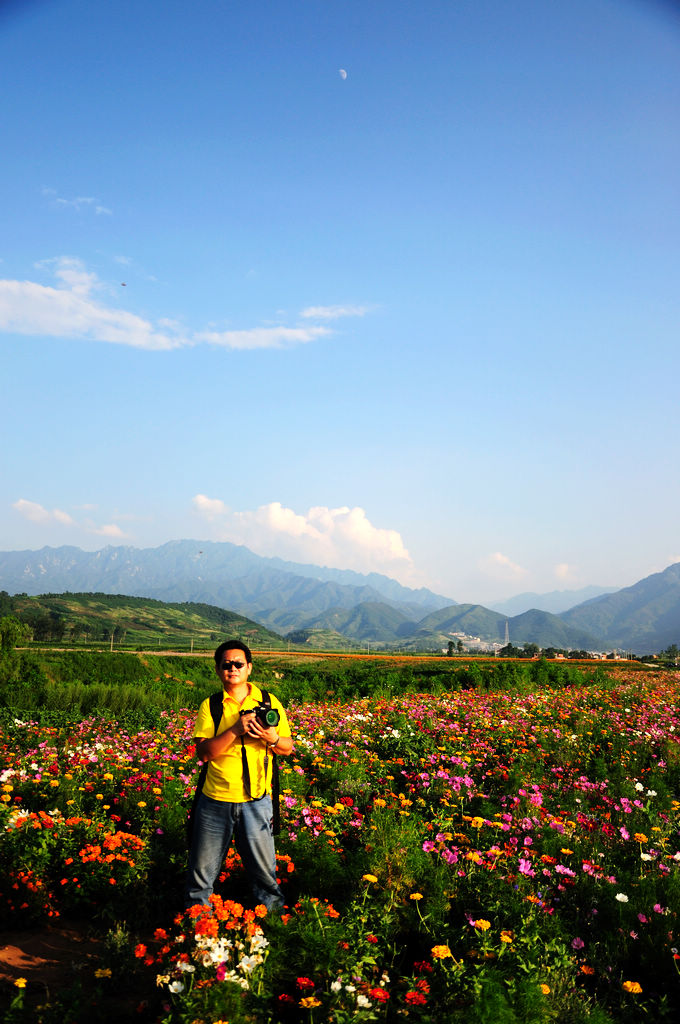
(251, 825)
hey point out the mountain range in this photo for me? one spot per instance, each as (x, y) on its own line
(289, 597)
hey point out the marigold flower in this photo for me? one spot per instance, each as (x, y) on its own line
(416, 896)
(103, 972)
(482, 925)
(586, 969)
(545, 989)
(369, 878)
(441, 952)
(632, 986)
(309, 1002)
(477, 822)
(20, 983)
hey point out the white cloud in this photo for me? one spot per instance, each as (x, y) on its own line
(209, 507)
(109, 530)
(73, 310)
(565, 572)
(332, 312)
(500, 567)
(34, 309)
(261, 337)
(37, 513)
(339, 537)
(79, 203)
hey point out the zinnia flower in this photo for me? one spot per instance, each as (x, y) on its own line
(632, 986)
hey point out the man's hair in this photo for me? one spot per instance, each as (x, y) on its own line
(232, 645)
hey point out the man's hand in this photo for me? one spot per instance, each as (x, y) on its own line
(252, 727)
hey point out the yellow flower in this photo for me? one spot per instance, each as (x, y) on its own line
(506, 936)
(632, 986)
(369, 878)
(309, 1002)
(545, 989)
(640, 837)
(482, 925)
(141, 803)
(20, 983)
(416, 896)
(441, 952)
(477, 822)
(103, 972)
(380, 803)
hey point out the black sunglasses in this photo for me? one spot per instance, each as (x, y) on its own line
(233, 664)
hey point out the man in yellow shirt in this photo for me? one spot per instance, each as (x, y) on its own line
(236, 798)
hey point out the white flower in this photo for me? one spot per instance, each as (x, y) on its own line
(362, 1000)
(188, 968)
(336, 985)
(644, 856)
(249, 963)
(621, 897)
(639, 787)
(651, 792)
(176, 986)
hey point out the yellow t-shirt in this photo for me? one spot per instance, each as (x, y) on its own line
(224, 780)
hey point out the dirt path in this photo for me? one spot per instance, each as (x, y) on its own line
(45, 957)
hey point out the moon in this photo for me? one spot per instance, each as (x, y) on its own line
(343, 74)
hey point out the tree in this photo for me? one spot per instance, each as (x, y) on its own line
(12, 632)
(451, 646)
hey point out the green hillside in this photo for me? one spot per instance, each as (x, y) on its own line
(84, 619)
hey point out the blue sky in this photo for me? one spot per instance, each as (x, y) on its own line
(388, 286)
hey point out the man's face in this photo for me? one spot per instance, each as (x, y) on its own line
(234, 668)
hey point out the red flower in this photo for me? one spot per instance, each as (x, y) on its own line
(379, 994)
(305, 984)
(415, 999)
(371, 938)
(140, 951)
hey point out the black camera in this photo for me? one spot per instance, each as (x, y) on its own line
(266, 715)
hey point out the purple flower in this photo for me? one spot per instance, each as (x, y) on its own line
(577, 943)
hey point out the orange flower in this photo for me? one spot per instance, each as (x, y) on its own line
(632, 986)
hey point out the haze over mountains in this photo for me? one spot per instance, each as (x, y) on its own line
(287, 597)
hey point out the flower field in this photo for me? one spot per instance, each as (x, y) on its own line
(465, 856)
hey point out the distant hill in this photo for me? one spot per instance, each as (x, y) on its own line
(134, 620)
(642, 618)
(555, 602)
(225, 575)
(383, 625)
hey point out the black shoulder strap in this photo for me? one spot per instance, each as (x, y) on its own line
(216, 706)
